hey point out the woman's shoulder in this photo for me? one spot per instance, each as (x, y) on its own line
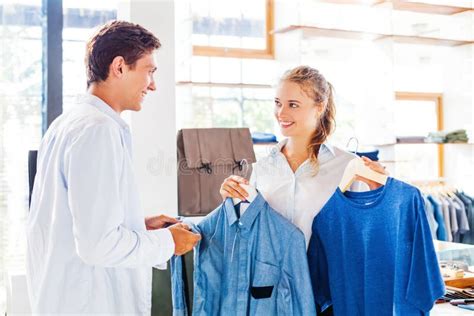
(329, 152)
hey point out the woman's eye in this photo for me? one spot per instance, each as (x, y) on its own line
(278, 104)
(293, 105)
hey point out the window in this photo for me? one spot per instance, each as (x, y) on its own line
(227, 92)
(226, 106)
(226, 79)
(20, 124)
(21, 101)
(418, 114)
(233, 28)
(81, 18)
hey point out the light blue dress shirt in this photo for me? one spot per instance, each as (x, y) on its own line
(88, 248)
(254, 264)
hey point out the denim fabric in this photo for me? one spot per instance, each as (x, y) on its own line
(252, 265)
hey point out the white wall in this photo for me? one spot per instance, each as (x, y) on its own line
(154, 127)
(459, 113)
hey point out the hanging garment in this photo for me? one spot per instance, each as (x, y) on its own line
(438, 214)
(430, 217)
(461, 216)
(452, 217)
(206, 156)
(254, 264)
(468, 237)
(446, 216)
(371, 253)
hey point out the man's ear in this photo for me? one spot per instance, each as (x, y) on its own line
(117, 67)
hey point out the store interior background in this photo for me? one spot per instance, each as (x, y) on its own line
(399, 68)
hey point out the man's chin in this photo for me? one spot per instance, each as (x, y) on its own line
(136, 107)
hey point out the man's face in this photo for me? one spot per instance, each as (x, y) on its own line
(138, 81)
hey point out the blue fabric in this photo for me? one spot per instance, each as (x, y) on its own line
(258, 137)
(252, 265)
(372, 155)
(441, 233)
(371, 253)
(468, 237)
(431, 219)
(467, 306)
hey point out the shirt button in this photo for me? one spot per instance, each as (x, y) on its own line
(240, 224)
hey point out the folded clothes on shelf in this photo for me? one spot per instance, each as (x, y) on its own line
(410, 139)
(258, 137)
(372, 154)
(457, 136)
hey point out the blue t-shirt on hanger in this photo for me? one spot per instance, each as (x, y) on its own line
(371, 253)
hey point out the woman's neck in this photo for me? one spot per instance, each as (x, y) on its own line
(296, 151)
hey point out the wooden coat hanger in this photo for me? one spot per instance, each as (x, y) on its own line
(356, 167)
(251, 190)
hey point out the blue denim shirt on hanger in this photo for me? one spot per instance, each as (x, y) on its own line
(252, 265)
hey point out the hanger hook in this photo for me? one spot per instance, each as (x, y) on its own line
(357, 144)
(244, 165)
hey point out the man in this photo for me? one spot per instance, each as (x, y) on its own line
(90, 250)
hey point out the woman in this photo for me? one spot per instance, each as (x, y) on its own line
(302, 172)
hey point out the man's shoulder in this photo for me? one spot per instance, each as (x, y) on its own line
(80, 120)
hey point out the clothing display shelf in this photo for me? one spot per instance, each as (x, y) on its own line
(224, 84)
(315, 31)
(404, 5)
(420, 143)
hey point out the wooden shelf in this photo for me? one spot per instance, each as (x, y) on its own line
(363, 2)
(224, 84)
(429, 8)
(265, 144)
(419, 40)
(412, 6)
(314, 31)
(420, 143)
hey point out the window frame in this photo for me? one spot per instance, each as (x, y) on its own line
(52, 81)
(267, 53)
(438, 99)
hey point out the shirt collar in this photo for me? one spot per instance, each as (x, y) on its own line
(99, 104)
(325, 149)
(249, 215)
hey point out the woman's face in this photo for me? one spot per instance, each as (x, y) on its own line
(295, 111)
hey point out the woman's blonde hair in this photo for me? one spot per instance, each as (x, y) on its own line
(313, 83)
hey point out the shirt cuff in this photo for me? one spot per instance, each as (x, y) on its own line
(166, 247)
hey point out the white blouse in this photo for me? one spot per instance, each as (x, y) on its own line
(300, 195)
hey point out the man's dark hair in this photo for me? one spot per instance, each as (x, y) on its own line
(117, 38)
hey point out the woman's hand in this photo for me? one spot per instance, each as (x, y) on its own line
(377, 167)
(231, 188)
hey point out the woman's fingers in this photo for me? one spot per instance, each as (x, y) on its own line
(236, 190)
(231, 188)
(238, 179)
(374, 165)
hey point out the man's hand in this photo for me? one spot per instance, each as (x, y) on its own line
(184, 239)
(159, 221)
(375, 166)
